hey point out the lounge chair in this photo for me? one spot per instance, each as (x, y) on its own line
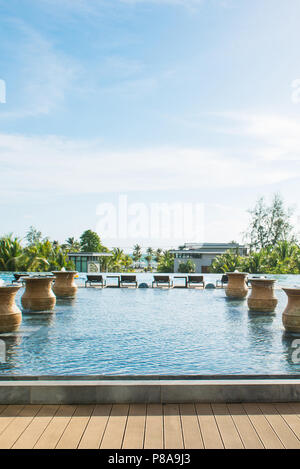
(162, 281)
(194, 280)
(128, 280)
(223, 281)
(95, 279)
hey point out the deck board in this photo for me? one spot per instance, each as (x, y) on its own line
(208, 426)
(95, 429)
(229, 434)
(17, 426)
(154, 432)
(114, 432)
(288, 414)
(245, 428)
(280, 426)
(153, 426)
(36, 427)
(190, 427)
(135, 429)
(53, 432)
(173, 438)
(73, 432)
(265, 431)
(8, 415)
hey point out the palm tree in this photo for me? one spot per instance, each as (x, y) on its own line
(72, 245)
(117, 259)
(158, 255)
(149, 257)
(137, 253)
(227, 262)
(166, 263)
(10, 253)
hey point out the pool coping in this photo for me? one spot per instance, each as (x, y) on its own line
(113, 390)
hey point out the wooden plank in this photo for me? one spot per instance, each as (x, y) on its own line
(94, 431)
(71, 437)
(289, 414)
(154, 435)
(56, 427)
(34, 430)
(296, 407)
(208, 426)
(12, 432)
(227, 428)
(2, 408)
(264, 430)
(114, 432)
(135, 428)
(244, 426)
(192, 437)
(279, 425)
(173, 438)
(8, 415)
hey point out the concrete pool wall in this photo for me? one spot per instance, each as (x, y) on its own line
(111, 390)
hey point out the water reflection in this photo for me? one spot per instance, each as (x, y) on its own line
(12, 342)
(40, 319)
(68, 302)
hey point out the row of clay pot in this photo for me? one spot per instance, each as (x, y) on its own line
(262, 296)
(38, 297)
(263, 299)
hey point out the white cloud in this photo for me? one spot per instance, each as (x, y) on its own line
(40, 165)
(277, 137)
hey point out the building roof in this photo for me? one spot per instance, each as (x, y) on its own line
(206, 248)
(90, 254)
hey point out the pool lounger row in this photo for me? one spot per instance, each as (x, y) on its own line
(159, 281)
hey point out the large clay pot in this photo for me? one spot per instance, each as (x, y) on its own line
(291, 314)
(236, 287)
(10, 314)
(262, 298)
(38, 295)
(64, 286)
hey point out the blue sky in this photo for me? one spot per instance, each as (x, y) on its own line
(188, 101)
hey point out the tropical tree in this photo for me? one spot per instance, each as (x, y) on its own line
(269, 224)
(91, 242)
(158, 255)
(10, 253)
(187, 267)
(227, 262)
(148, 257)
(166, 263)
(33, 236)
(117, 259)
(71, 245)
(137, 253)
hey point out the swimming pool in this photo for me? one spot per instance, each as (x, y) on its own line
(151, 332)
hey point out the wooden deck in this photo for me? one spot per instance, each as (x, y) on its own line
(152, 426)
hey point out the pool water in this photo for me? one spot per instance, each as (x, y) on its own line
(150, 332)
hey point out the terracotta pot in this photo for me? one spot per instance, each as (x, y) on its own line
(10, 314)
(262, 298)
(236, 287)
(291, 314)
(38, 295)
(64, 286)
